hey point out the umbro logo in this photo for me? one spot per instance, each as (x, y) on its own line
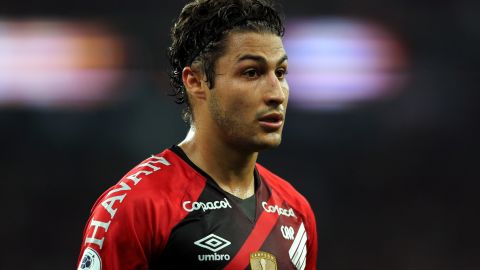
(213, 243)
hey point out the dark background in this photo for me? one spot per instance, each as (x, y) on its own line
(394, 183)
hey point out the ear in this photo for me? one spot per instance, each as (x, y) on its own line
(192, 79)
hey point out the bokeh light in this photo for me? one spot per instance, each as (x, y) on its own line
(338, 62)
(45, 63)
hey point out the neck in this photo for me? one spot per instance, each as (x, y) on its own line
(231, 168)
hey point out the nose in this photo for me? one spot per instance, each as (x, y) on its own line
(277, 90)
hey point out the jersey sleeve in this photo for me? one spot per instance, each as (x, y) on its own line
(131, 222)
(121, 242)
(312, 242)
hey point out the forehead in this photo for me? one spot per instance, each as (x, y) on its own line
(266, 45)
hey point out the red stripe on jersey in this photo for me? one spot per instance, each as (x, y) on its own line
(257, 237)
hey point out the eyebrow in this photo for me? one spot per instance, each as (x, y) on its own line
(261, 59)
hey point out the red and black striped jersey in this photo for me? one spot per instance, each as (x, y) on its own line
(167, 213)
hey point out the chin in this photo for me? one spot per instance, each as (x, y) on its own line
(258, 142)
(270, 142)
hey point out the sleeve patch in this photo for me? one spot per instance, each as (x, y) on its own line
(90, 260)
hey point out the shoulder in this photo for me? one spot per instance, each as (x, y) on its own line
(283, 188)
(160, 177)
(154, 186)
(152, 192)
(288, 193)
(297, 201)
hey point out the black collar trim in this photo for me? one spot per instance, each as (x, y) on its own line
(179, 152)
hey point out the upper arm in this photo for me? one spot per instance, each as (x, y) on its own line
(123, 241)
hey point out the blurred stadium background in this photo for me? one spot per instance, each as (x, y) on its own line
(381, 133)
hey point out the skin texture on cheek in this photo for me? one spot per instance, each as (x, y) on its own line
(218, 114)
(227, 120)
(237, 125)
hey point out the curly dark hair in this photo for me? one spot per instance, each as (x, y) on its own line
(200, 31)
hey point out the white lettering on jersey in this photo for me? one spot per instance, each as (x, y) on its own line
(298, 250)
(213, 257)
(96, 224)
(124, 187)
(135, 177)
(156, 159)
(287, 232)
(193, 206)
(213, 243)
(278, 210)
(109, 202)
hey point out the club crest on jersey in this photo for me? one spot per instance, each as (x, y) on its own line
(90, 260)
(262, 260)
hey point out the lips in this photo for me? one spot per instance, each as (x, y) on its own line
(271, 121)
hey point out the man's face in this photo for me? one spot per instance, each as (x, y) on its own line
(248, 103)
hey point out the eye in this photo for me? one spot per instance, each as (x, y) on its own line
(251, 73)
(281, 72)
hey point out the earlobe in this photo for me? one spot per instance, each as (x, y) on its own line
(193, 83)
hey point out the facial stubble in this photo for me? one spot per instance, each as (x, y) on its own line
(234, 131)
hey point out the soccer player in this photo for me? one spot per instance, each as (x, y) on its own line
(205, 203)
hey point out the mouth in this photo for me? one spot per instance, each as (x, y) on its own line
(271, 121)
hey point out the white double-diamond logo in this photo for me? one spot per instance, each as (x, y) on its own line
(212, 242)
